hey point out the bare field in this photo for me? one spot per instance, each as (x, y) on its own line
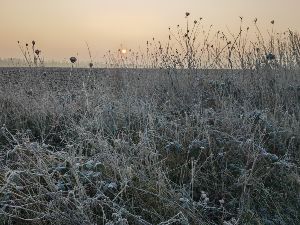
(142, 146)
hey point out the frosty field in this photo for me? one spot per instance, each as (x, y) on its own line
(149, 146)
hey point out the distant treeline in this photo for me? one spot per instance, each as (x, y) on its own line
(17, 62)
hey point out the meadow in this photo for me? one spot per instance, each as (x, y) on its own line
(202, 129)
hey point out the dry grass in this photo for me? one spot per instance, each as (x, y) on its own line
(151, 146)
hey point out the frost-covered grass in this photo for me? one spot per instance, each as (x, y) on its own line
(137, 147)
(208, 132)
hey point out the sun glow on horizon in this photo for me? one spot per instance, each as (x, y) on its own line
(62, 27)
(123, 51)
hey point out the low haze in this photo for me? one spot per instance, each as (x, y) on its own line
(61, 27)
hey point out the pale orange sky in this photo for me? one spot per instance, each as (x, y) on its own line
(61, 27)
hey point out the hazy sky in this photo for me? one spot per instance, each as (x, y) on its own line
(61, 27)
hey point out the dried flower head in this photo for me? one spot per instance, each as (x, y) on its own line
(187, 14)
(73, 59)
(222, 201)
(37, 52)
(91, 65)
(255, 20)
(270, 57)
(272, 22)
(33, 43)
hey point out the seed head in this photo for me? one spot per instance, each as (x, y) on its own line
(255, 20)
(37, 52)
(73, 59)
(91, 65)
(272, 22)
(33, 43)
(187, 14)
(222, 201)
(270, 57)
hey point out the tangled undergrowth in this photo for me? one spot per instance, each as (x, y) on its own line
(130, 147)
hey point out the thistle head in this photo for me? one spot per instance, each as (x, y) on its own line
(73, 59)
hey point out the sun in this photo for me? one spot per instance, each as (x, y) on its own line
(124, 51)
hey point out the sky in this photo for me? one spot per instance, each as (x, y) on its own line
(61, 28)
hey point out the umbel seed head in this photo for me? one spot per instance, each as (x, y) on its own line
(73, 59)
